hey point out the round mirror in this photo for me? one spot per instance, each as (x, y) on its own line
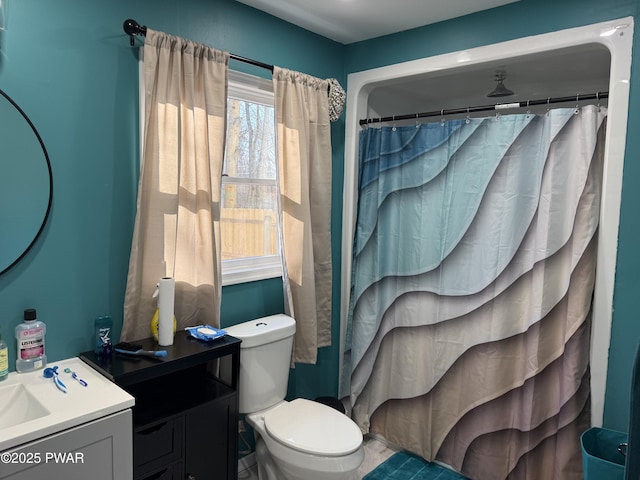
(26, 183)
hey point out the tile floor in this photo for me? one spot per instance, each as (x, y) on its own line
(376, 451)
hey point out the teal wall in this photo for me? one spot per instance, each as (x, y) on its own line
(522, 19)
(69, 66)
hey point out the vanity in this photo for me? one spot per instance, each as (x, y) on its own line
(83, 433)
(185, 419)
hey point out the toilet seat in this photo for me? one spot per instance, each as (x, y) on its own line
(312, 427)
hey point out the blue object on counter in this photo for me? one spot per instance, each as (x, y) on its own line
(103, 326)
(136, 349)
(205, 332)
(75, 376)
(53, 374)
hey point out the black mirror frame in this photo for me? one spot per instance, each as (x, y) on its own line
(46, 156)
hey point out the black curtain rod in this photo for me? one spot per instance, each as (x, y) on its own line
(484, 108)
(133, 28)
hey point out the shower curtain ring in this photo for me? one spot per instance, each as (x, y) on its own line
(442, 117)
(577, 109)
(393, 125)
(417, 121)
(468, 119)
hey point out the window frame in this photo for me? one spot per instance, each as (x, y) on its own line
(243, 86)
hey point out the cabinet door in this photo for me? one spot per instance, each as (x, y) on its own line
(157, 445)
(209, 441)
(98, 450)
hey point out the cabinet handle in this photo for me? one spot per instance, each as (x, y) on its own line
(153, 429)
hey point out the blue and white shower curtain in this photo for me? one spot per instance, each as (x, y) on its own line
(473, 274)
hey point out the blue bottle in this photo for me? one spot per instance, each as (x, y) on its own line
(103, 327)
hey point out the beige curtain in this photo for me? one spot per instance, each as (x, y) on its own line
(304, 163)
(177, 228)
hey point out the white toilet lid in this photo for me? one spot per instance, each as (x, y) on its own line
(312, 427)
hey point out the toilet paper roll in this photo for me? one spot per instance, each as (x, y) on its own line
(166, 295)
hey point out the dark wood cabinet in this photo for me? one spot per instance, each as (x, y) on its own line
(185, 420)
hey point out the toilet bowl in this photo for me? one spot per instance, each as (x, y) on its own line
(306, 440)
(298, 439)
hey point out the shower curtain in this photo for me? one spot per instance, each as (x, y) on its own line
(473, 273)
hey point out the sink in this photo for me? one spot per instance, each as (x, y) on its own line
(19, 406)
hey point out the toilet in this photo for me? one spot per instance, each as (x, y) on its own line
(298, 439)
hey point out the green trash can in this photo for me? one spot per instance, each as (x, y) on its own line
(602, 454)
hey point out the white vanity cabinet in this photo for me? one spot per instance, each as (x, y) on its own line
(46, 433)
(98, 450)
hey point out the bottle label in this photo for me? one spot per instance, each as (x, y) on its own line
(104, 335)
(4, 362)
(31, 344)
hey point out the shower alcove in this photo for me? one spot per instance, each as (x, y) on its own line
(584, 60)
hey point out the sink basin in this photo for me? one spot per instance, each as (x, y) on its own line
(19, 406)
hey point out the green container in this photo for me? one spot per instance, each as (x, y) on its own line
(600, 456)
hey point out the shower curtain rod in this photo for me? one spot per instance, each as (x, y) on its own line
(485, 108)
(132, 28)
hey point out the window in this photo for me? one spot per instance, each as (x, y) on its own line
(248, 219)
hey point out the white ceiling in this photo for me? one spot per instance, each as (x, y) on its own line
(348, 21)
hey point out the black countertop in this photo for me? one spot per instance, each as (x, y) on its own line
(185, 352)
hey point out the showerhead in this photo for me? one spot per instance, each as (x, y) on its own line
(500, 90)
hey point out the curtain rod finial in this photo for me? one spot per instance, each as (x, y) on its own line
(131, 27)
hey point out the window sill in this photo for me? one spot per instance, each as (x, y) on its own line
(250, 270)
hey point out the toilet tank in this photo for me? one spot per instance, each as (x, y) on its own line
(265, 358)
